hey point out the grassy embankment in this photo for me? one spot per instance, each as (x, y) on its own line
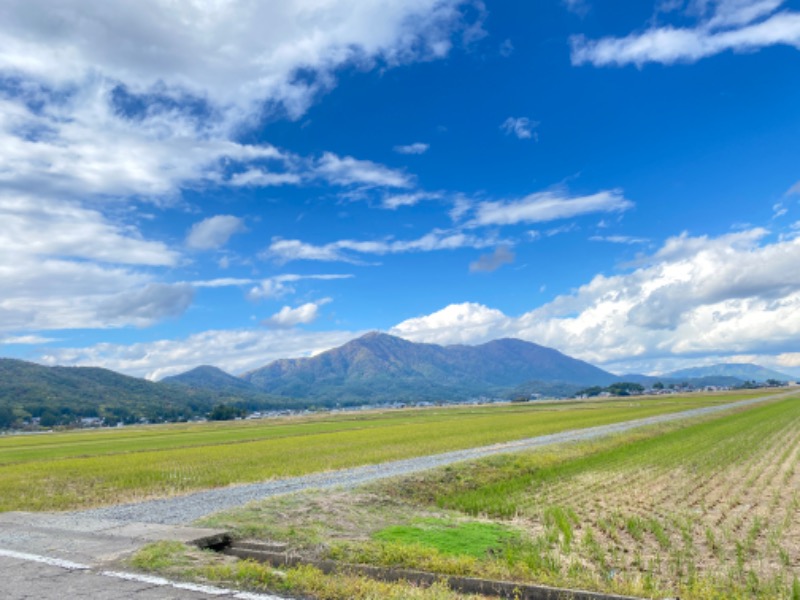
(71, 470)
(700, 511)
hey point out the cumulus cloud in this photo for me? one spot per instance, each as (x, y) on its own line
(33, 226)
(466, 323)
(522, 127)
(696, 295)
(78, 144)
(415, 148)
(101, 110)
(723, 25)
(86, 110)
(547, 206)
(291, 317)
(283, 251)
(264, 44)
(62, 263)
(214, 232)
(487, 263)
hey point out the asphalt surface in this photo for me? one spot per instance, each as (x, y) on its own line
(27, 578)
(46, 556)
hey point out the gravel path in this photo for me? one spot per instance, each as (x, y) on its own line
(189, 508)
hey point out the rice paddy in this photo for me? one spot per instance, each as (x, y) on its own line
(71, 470)
(702, 510)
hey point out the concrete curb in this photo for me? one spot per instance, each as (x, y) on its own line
(467, 585)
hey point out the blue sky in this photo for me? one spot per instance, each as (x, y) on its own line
(186, 183)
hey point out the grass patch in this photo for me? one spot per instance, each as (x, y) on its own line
(468, 538)
(162, 556)
(183, 562)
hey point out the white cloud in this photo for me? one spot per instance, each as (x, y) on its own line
(222, 282)
(283, 251)
(145, 306)
(65, 267)
(415, 148)
(80, 145)
(794, 190)
(235, 53)
(280, 285)
(619, 239)
(547, 206)
(737, 25)
(350, 171)
(214, 232)
(291, 317)
(695, 296)
(487, 263)
(27, 340)
(788, 359)
(234, 351)
(579, 7)
(395, 201)
(31, 226)
(522, 127)
(102, 109)
(261, 178)
(466, 323)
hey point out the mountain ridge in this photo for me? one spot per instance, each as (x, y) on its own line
(380, 367)
(744, 371)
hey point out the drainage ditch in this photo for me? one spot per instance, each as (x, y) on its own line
(278, 555)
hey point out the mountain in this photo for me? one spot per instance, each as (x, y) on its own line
(210, 378)
(743, 371)
(697, 382)
(63, 394)
(378, 368)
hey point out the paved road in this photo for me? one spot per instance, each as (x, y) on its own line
(47, 556)
(191, 507)
(32, 577)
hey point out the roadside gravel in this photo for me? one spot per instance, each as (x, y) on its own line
(189, 508)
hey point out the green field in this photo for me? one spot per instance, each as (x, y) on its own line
(708, 509)
(73, 470)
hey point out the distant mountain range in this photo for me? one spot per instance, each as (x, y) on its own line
(375, 368)
(743, 371)
(378, 368)
(63, 394)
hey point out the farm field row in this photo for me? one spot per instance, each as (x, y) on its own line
(708, 509)
(71, 470)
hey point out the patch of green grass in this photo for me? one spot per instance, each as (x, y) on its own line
(468, 538)
(161, 556)
(183, 562)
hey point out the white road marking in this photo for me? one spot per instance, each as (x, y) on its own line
(47, 560)
(209, 590)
